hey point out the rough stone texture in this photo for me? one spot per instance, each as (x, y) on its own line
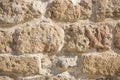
(113, 8)
(45, 37)
(99, 36)
(106, 63)
(20, 65)
(37, 77)
(5, 78)
(105, 9)
(5, 42)
(86, 9)
(62, 76)
(75, 38)
(64, 10)
(59, 39)
(14, 11)
(67, 62)
(117, 36)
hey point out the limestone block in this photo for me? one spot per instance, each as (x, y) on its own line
(98, 10)
(99, 35)
(5, 42)
(113, 8)
(75, 38)
(5, 78)
(86, 9)
(63, 76)
(117, 36)
(36, 77)
(20, 65)
(17, 11)
(64, 10)
(106, 63)
(45, 37)
(67, 62)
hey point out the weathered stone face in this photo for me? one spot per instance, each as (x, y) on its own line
(99, 36)
(5, 78)
(64, 10)
(105, 9)
(45, 37)
(14, 11)
(106, 63)
(75, 38)
(117, 36)
(86, 9)
(113, 8)
(20, 65)
(5, 42)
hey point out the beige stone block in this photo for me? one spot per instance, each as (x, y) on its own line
(105, 63)
(64, 10)
(5, 78)
(5, 42)
(45, 37)
(17, 11)
(20, 65)
(117, 36)
(75, 38)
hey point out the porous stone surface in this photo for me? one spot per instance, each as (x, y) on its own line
(5, 42)
(67, 62)
(20, 65)
(5, 78)
(117, 36)
(75, 38)
(14, 11)
(59, 39)
(64, 10)
(45, 37)
(106, 63)
(105, 9)
(99, 36)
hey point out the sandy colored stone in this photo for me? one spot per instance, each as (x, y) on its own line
(64, 10)
(5, 78)
(20, 65)
(99, 36)
(5, 42)
(63, 76)
(86, 9)
(67, 62)
(105, 63)
(105, 9)
(75, 38)
(117, 36)
(45, 37)
(113, 8)
(37, 77)
(17, 11)
(98, 10)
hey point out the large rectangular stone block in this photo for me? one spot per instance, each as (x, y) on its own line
(20, 65)
(106, 63)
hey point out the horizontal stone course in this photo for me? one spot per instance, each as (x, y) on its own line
(20, 65)
(106, 63)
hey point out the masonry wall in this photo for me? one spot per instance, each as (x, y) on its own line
(59, 39)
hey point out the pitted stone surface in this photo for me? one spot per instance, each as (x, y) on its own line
(117, 36)
(20, 65)
(106, 63)
(99, 36)
(45, 37)
(5, 42)
(64, 10)
(75, 38)
(14, 11)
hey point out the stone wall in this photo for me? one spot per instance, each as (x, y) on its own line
(59, 39)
